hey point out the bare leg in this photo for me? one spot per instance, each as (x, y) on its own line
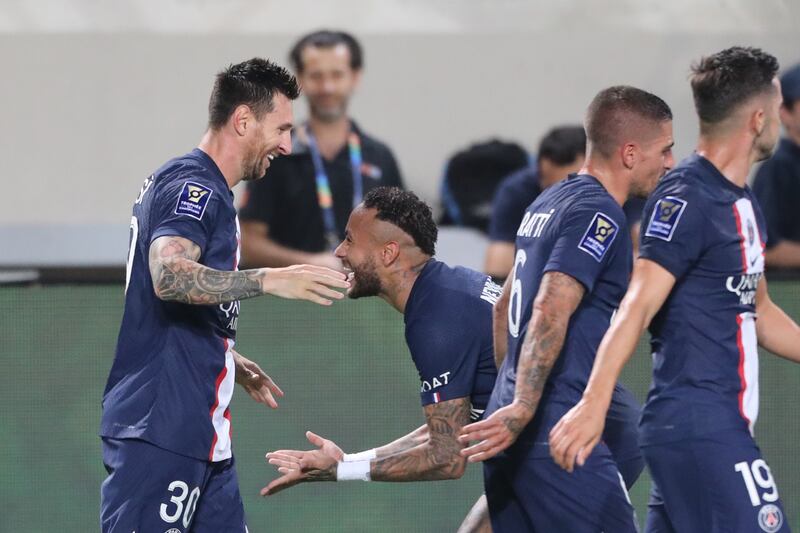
(477, 520)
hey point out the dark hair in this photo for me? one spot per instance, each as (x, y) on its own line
(725, 80)
(252, 83)
(618, 111)
(406, 211)
(563, 144)
(327, 39)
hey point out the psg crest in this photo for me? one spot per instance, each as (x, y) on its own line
(770, 518)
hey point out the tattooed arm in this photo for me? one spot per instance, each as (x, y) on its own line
(558, 297)
(434, 458)
(177, 276)
(415, 438)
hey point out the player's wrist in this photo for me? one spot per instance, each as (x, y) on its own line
(366, 455)
(353, 470)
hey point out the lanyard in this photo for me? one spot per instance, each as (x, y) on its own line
(324, 196)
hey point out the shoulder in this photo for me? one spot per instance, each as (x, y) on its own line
(521, 186)
(443, 292)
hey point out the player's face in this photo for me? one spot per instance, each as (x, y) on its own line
(768, 138)
(359, 252)
(328, 81)
(655, 161)
(270, 138)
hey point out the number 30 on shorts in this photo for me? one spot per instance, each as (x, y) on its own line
(180, 490)
(757, 475)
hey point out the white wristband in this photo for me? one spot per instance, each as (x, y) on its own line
(353, 471)
(366, 455)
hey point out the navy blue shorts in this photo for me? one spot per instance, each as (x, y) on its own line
(717, 483)
(534, 494)
(152, 489)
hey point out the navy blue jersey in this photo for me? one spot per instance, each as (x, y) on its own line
(514, 194)
(448, 320)
(173, 372)
(577, 228)
(777, 187)
(710, 235)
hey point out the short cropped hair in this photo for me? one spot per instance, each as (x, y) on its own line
(563, 144)
(252, 83)
(724, 81)
(620, 111)
(327, 39)
(406, 211)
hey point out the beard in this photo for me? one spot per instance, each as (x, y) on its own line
(365, 281)
(764, 150)
(330, 113)
(251, 168)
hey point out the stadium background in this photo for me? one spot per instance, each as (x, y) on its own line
(94, 97)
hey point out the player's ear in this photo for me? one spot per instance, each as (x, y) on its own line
(242, 118)
(758, 121)
(390, 253)
(629, 154)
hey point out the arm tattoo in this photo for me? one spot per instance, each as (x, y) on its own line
(438, 458)
(415, 438)
(178, 277)
(558, 297)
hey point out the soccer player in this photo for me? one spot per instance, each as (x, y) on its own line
(699, 285)
(389, 245)
(571, 269)
(166, 424)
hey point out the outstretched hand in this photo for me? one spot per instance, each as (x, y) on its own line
(255, 381)
(576, 434)
(304, 466)
(305, 282)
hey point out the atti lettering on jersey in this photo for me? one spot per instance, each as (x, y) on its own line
(666, 215)
(193, 200)
(599, 235)
(533, 224)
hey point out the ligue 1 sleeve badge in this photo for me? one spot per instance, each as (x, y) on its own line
(666, 215)
(770, 518)
(193, 200)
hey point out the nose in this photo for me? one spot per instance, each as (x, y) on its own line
(285, 146)
(339, 251)
(669, 162)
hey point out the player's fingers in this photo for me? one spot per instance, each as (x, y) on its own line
(322, 290)
(325, 271)
(315, 439)
(280, 463)
(288, 453)
(269, 400)
(314, 297)
(277, 485)
(478, 448)
(338, 281)
(273, 386)
(284, 457)
(484, 455)
(585, 451)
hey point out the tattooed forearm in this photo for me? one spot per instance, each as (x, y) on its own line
(415, 438)
(558, 297)
(438, 457)
(177, 276)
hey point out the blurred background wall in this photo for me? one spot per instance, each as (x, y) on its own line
(96, 95)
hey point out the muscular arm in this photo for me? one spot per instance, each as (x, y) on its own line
(775, 330)
(437, 457)
(500, 324)
(258, 249)
(558, 297)
(580, 429)
(178, 277)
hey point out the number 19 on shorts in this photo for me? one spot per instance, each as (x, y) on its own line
(759, 481)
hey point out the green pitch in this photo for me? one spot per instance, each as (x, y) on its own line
(347, 375)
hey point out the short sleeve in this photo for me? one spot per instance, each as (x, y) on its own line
(768, 193)
(588, 236)
(187, 208)
(446, 359)
(257, 205)
(673, 229)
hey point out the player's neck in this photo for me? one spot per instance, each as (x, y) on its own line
(615, 186)
(331, 136)
(733, 157)
(398, 287)
(228, 161)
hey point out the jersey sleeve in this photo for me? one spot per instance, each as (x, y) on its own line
(187, 208)
(446, 357)
(673, 229)
(588, 236)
